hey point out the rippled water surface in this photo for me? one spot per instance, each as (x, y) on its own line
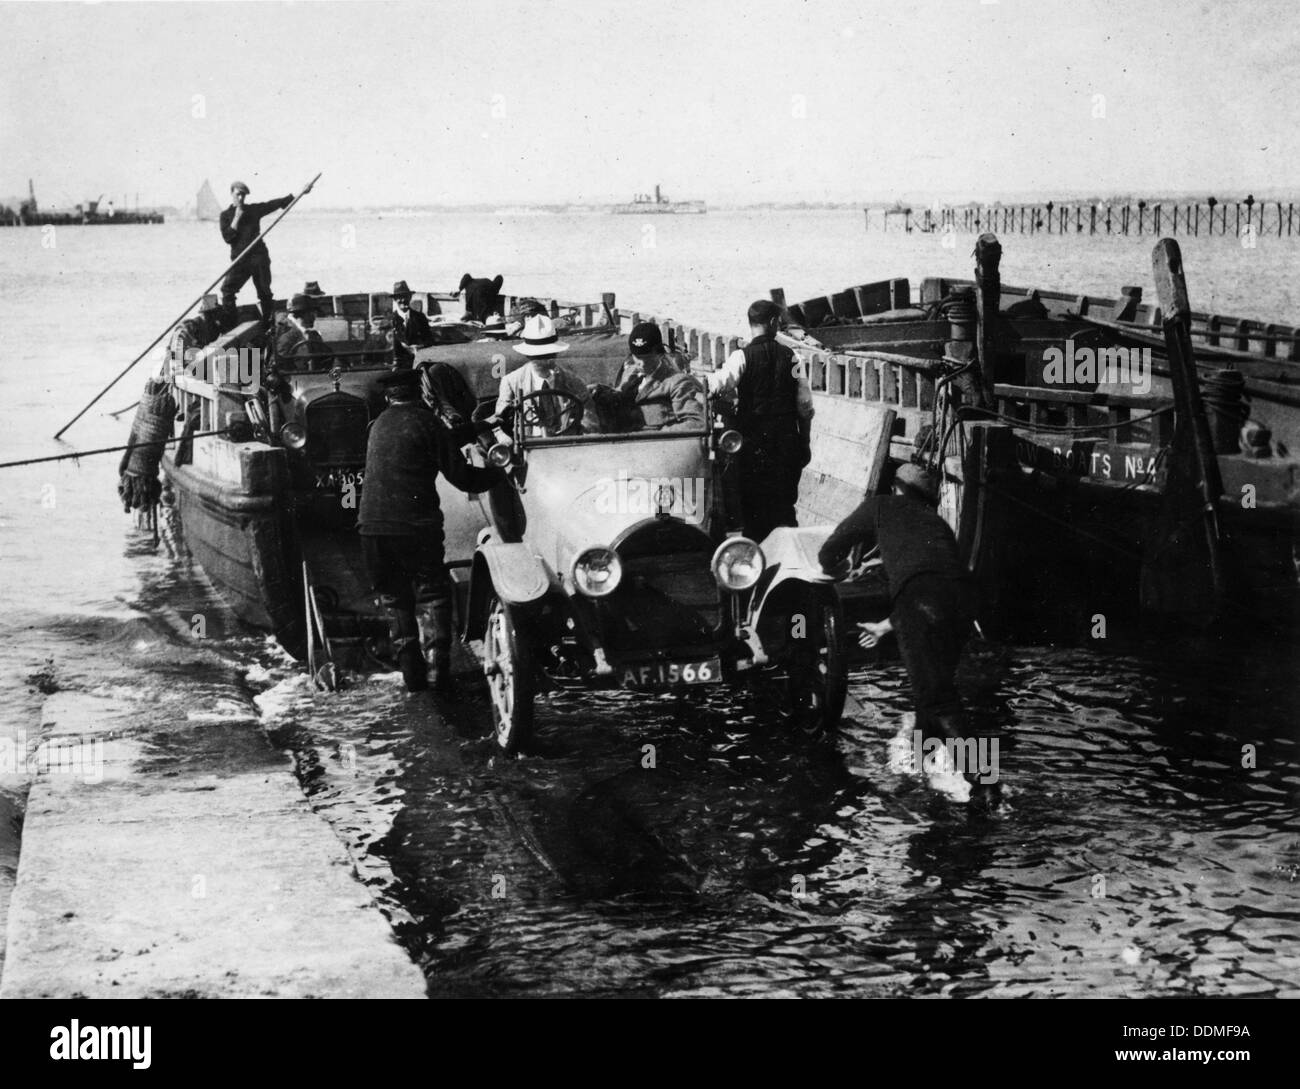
(1126, 850)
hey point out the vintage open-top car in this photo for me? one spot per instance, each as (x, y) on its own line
(605, 559)
(607, 562)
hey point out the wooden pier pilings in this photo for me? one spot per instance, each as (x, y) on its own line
(1118, 217)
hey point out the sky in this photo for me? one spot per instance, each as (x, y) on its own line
(503, 102)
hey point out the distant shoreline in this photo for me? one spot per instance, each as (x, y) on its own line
(917, 204)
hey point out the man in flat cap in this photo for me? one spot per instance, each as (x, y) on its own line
(241, 223)
(931, 601)
(401, 527)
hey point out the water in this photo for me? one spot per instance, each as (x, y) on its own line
(1131, 852)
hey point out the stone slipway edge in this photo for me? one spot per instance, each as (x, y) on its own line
(203, 874)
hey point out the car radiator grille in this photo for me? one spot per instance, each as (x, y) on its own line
(664, 601)
(336, 430)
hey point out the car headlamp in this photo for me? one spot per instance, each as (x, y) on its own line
(730, 441)
(597, 572)
(294, 436)
(738, 564)
(499, 455)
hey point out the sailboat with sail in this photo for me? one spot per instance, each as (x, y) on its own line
(206, 206)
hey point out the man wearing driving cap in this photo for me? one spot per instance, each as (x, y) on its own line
(654, 389)
(401, 526)
(410, 327)
(646, 342)
(300, 343)
(241, 223)
(543, 415)
(931, 600)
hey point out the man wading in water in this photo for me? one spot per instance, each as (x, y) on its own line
(400, 523)
(931, 610)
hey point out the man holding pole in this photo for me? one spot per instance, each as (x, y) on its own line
(241, 224)
(230, 231)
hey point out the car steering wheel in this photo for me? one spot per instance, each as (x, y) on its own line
(567, 419)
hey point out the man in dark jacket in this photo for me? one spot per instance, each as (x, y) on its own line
(410, 327)
(774, 411)
(655, 391)
(400, 522)
(240, 224)
(482, 297)
(931, 612)
(300, 345)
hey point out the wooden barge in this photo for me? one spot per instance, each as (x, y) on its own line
(270, 477)
(1082, 499)
(1069, 502)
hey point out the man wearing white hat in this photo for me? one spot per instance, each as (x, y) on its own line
(545, 415)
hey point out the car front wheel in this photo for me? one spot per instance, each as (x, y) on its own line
(509, 669)
(817, 675)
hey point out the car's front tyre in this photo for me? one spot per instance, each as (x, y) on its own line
(509, 669)
(817, 675)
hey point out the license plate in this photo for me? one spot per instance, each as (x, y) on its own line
(338, 479)
(658, 674)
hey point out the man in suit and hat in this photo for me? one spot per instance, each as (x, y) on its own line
(774, 411)
(482, 297)
(241, 223)
(410, 327)
(300, 344)
(400, 522)
(931, 611)
(323, 303)
(655, 391)
(543, 415)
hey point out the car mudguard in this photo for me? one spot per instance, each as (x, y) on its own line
(793, 583)
(512, 572)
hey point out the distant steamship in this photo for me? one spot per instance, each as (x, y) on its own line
(645, 204)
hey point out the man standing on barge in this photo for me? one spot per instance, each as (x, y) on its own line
(774, 411)
(241, 223)
(411, 328)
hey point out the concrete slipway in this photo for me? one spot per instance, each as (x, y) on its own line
(168, 851)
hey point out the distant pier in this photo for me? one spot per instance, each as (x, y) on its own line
(1209, 217)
